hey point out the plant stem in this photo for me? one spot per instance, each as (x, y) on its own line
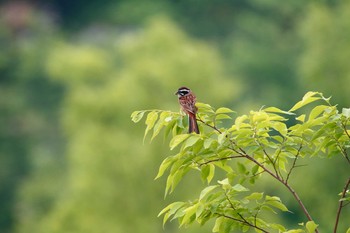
(276, 176)
(341, 205)
(285, 183)
(243, 222)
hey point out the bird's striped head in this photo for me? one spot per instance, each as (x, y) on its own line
(182, 91)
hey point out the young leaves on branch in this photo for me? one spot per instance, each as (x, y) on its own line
(267, 142)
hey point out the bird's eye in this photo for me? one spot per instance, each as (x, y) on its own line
(183, 92)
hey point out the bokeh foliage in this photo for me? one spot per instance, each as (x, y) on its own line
(73, 71)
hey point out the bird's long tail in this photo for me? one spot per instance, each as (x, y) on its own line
(192, 124)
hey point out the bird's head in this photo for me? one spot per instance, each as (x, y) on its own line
(182, 91)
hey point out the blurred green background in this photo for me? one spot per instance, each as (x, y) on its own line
(71, 73)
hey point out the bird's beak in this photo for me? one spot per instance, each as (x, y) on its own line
(176, 93)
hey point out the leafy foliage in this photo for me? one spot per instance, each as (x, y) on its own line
(268, 142)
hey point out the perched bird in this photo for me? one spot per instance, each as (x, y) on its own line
(187, 101)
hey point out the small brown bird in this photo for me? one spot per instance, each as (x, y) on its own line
(187, 101)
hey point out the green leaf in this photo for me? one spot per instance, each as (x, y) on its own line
(136, 116)
(225, 183)
(204, 107)
(308, 98)
(311, 226)
(315, 112)
(164, 166)
(162, 122)
(189, 212)
(207, 143)
(301, 118)
(240, 188)
(275, 202)
(150, 121)
(280, 127)
(223, 110)
(241, 168)
(348, 231)
(222, 117)
(295, 231)
(218, 223)
(255, 196)
(175, 141)
(206, 191)
(171, 207)
(193, 138)
(221, 138)
(239, 122)
(211, 173)
(208, 172)
(346, 112)
(277, 110)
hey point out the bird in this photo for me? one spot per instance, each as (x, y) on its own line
(187, 101)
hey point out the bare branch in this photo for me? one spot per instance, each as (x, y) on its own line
(294, 163)
(341, 205)
(243, 222)
(221, 159)
(211, 126)
(243, 154)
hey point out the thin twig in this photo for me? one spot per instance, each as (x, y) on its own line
(341, 205)
(221, 159)
(242, 153)
(269, 158)
(292, 191)
(211, 126)
(344, 126)
(233, 207)
(243, 222)
(294, 163)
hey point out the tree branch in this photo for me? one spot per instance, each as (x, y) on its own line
(211, 126)
(221, 159)
(341, 205)
(243, 154)
(243, 222)
(295, 195)
(294, 163)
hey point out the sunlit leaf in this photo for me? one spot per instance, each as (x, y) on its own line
(218, 223)
(280, 127)
(192, 139)
(164, 166)
(175, 141)
(277, 110)
(222, 117)
(204, 107)
(225, 183)
(239, 121)
(315, 112)
(206, 191)
(173, 206)
(136, 116)
(295, 231)
(208, 142)
(189, 212)
(308, 98)
(346, 112)
(301, 118)
(275, 202)
(150, 121)
(239, 188)
(255, 196)
(223, 110)
(311, 226)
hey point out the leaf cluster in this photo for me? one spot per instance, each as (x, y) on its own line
(269, 142)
